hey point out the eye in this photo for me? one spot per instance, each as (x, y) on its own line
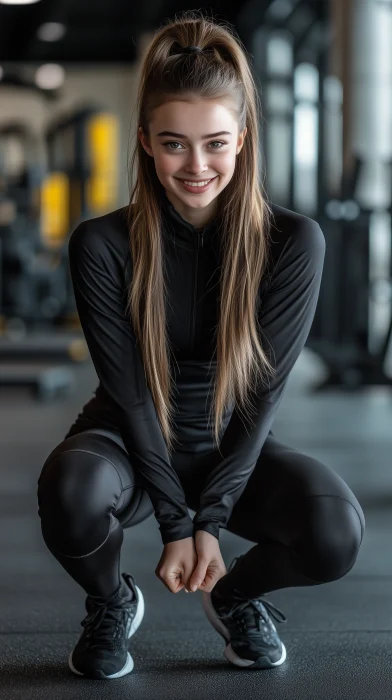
(221, 143)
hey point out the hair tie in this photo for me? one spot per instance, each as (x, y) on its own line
(191, 49)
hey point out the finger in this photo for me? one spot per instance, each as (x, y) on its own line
(205, 588)
(197, 578)
(209, 581)
(170, 586)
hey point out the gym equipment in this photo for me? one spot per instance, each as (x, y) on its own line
(36, 292)
(284, 43)
(340, 334)
(83, 153)
(45, 384)
(32, 288)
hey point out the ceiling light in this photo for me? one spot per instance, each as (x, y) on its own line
(50, 76)
(51, 31)
(18, 2)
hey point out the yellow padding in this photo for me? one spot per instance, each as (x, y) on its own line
(54, 211)
(103, 142)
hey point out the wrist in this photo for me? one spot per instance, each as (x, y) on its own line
(211, 528)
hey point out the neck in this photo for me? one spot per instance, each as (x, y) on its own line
(198, 218)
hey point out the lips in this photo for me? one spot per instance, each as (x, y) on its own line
(205, 179)
(197, 189)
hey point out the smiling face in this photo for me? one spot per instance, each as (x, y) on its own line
(197, 152)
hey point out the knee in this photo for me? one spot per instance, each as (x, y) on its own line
(333, 534)
(76, 490)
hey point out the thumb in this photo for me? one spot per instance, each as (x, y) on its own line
(197, 577)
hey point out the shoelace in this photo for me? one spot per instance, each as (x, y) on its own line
(242, 602)
(102, 619)
(259, 613)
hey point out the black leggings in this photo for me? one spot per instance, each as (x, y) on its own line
(306, 522)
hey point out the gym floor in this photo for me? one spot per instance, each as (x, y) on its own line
(338, 635)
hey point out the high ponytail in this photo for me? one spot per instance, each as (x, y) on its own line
(222, 71)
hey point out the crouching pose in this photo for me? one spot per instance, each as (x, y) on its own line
(195, 300)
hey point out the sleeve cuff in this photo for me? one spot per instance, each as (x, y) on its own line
(211, 527)
(177, 531)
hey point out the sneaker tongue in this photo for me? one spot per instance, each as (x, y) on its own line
(249, 616)
(245, 612)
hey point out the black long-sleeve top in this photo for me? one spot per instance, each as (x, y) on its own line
(101, 270)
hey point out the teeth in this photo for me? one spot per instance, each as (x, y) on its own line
(197, 184)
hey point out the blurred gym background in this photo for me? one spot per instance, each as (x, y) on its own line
(68, 76)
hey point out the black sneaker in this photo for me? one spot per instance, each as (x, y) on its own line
(101, 651)
(244, 623)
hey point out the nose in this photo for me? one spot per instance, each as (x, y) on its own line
(196, 165)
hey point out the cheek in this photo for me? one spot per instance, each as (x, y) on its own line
(230, 162)
(166, 165)
(225, 164)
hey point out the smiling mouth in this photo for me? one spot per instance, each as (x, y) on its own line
(206, 179)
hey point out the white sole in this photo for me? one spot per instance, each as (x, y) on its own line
(129, 664)
(229, 653)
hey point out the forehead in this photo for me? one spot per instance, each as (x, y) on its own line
(193, 117)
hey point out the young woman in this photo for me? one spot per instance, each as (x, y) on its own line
(198, 284)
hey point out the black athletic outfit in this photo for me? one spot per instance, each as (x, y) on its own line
(113, 470)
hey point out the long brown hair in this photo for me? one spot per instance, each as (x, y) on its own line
(223, 71)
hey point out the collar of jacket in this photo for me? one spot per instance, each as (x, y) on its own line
(182, 231)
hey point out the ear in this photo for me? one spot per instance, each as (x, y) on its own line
(241, 139)
(143, 141)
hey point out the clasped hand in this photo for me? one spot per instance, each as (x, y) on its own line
(191, 562)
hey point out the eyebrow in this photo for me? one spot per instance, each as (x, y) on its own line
(182, 136)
